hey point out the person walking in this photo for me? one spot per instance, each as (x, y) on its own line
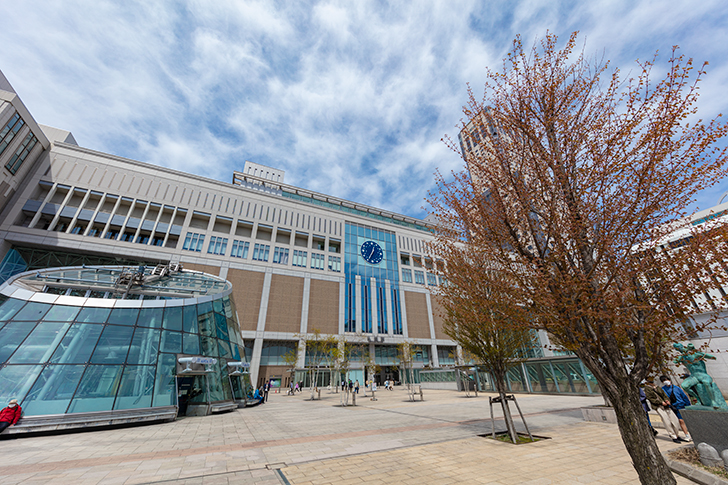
(679, 400)
(646, 407)
(356, 387)
(661, 403)
(266, 389)
(10, 415)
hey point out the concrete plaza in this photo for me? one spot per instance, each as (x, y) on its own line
(291, 440)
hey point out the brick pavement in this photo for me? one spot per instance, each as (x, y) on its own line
(293, 440)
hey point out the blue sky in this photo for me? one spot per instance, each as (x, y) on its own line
(350, 98)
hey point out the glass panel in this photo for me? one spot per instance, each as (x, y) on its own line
(218, 307)
(10, 308)
(595, 389)
(190, 319)
(53, 390)
(32, 311)
(41, 343)
(78, 344)
(16, 380)
(221, 326)
(11, 336)
(62, 313)
(224, 349)
(150, 317)
(562, 377)
(93, 315)
(173, 318)
(208, 345)
(236, 352)
(113, 345)
(540, 377)
(135, 391)
(577, 377)
(219, 383)
(205, 319)
(515, 379)
(164, 383)
(171, 342)
(144, 346)
(191, 344)
(198, 393)
(97, 389)
(124, 316)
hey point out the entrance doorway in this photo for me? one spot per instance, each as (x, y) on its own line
(192, 395)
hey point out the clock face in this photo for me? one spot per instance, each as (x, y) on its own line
(372, 252)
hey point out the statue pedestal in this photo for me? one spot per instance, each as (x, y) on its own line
(707, 426)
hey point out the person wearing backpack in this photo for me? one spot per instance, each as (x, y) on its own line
(679, 400)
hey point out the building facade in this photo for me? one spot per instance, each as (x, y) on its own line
(298, 261)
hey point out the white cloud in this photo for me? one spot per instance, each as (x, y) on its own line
(350, 99)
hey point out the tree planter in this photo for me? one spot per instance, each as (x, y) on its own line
(599, 414)
(523, 438)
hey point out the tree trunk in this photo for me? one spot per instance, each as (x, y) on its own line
(500, 383)
(638, 438)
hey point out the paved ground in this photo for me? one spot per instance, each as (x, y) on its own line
(291, 440)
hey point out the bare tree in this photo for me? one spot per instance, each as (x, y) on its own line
(483, 318)
(574, 185)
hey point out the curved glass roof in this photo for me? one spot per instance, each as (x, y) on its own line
(124, 282)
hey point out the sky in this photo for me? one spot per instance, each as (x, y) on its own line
(350, 98)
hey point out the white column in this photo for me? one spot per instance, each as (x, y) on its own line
(403, 306)
(305, 302)
(260, 330)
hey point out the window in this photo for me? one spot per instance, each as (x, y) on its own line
(260, 252)
(335, 263)
(194, 242)
(419, 277)
(9, 131)
(407, 275)
(218, 245)
(317, 261)
(21, 153)
(299, 258)
(240, 249)
(280, 256)
(431, 279)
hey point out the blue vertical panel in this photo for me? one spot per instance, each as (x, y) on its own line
(165, 389)
(136, 387)
(97, 389)
(53, 390)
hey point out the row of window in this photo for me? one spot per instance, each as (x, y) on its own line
(9, 131)
(261, 252)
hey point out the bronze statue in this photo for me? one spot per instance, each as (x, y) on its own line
(699, 384)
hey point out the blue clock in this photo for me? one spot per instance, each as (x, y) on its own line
(372, 252)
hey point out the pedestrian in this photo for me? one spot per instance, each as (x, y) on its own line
(386, 384)
(661, 403)
(10, 415)
(356, 387)
(291, 390)
(296, 389)
(266, 389)
(351, 385)
(343, 385)
(679, 400)
(646, 407)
